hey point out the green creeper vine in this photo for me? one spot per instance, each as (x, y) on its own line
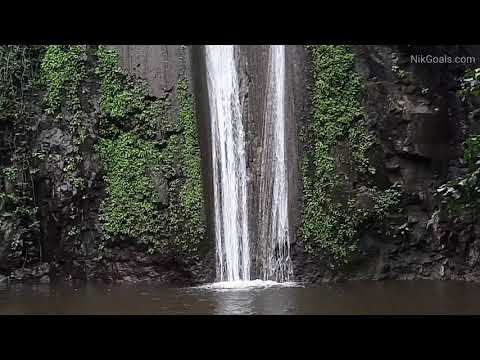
(332, 219)
(123, 100)
(145, 148)
(187, 218)
(19, 225)
(129, 208)
(63, 69)
(464, 193)
(191, 194)
(119, 97)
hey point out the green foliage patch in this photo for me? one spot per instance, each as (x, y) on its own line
(18, 75)
(332, 218)
(187, 218)
(130, 208)
(464, 193)
(138, 161)
(119, 97)
(63, 68)
(191, 194)
(19, 225)
(64, 72)
(149, 149)
(124, 101)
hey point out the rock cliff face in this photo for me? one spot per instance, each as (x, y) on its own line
(161, 66)
(52, 193)
(420, 124)
(67, 239)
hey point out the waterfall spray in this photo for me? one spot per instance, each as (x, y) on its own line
(229, 164)
(274, 226)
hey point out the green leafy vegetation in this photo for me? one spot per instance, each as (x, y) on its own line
(187, 218)
(191, 195)
(152, 163)
(19, 226)
(464, 193)
(130, 208)
(119, 97)
(332, 218)
(471, 82)
(386, 201)
(124, 101)
(149, 151)
(63, 69)
(18, 65)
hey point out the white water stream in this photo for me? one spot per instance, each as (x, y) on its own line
(229, 170)
(274, 226)
(229, 165)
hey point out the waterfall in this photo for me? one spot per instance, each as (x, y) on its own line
(273, 222)
(229, 170)
(229, 164)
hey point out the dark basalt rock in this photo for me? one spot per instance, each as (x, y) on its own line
(420, 123)
(70, 231)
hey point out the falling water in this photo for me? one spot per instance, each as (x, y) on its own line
(274, 227)
(229, 170)
(229, 165)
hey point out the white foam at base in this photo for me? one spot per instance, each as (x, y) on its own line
(242, 284)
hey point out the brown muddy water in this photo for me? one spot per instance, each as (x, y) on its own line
(356, 297)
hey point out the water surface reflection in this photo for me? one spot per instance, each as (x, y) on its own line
(356, 297)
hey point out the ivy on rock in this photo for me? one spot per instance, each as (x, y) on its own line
(335, 136)
(129, 208)
(152, 163)
(63, 68)
(19, 225)
(187, 218)
(464, 192)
